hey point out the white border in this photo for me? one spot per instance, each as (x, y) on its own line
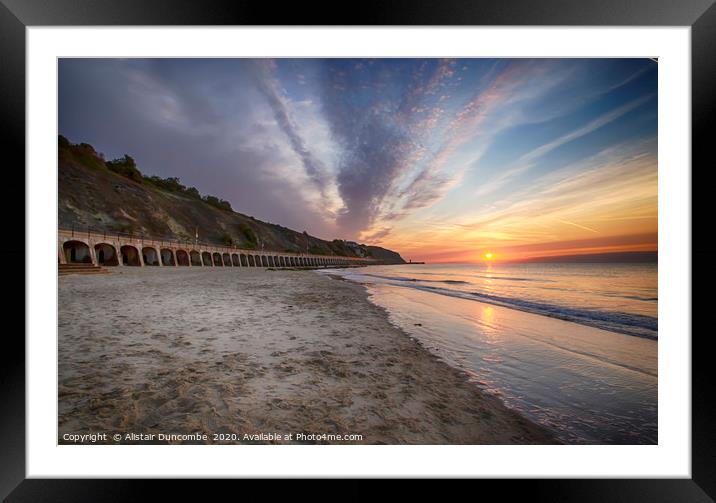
(671, 458)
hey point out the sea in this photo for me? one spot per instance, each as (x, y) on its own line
(572, 346)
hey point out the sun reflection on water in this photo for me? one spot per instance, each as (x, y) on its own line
(486, 323)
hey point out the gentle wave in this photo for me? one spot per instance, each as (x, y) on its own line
(495, 275)
(451, 281)
(399, 278)
(628, 324)
(624, 323)
(633, 297)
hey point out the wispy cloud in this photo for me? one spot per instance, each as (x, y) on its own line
(271, 90)
(404, 152)
(489, 110)
(591, 126)
(527, 161)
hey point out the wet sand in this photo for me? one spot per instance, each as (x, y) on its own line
(240, 351)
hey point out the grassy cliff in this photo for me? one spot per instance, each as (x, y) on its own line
(115, 196)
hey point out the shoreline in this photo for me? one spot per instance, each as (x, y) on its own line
(234, 352)
(588, 385)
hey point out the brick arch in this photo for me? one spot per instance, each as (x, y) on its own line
(106, 254)
(167, 256)
(130, 255)
(150, 256)
(206, 258)
(182, 258)
(77, 252)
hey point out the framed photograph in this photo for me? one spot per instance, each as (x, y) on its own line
(448, 242)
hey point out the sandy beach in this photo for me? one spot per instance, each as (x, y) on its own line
(240, 351)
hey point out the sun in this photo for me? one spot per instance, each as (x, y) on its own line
(489, 256)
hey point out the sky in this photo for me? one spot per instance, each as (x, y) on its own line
(442, 160)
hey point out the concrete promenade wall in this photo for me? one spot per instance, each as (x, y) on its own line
(118, 250)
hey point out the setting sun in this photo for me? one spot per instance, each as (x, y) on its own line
(489, 256)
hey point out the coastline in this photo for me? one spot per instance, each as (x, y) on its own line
(237, 351)
(587, 385)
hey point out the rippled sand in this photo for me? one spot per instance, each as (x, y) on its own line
(237, 351)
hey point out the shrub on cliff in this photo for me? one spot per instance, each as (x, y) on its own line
(226, 239)
(126, 167)
(192, 192)
(218, 203)
(249, 234)
(83, 154)
(338, 247)
(170, 184)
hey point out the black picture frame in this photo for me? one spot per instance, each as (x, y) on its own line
(16, 15)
